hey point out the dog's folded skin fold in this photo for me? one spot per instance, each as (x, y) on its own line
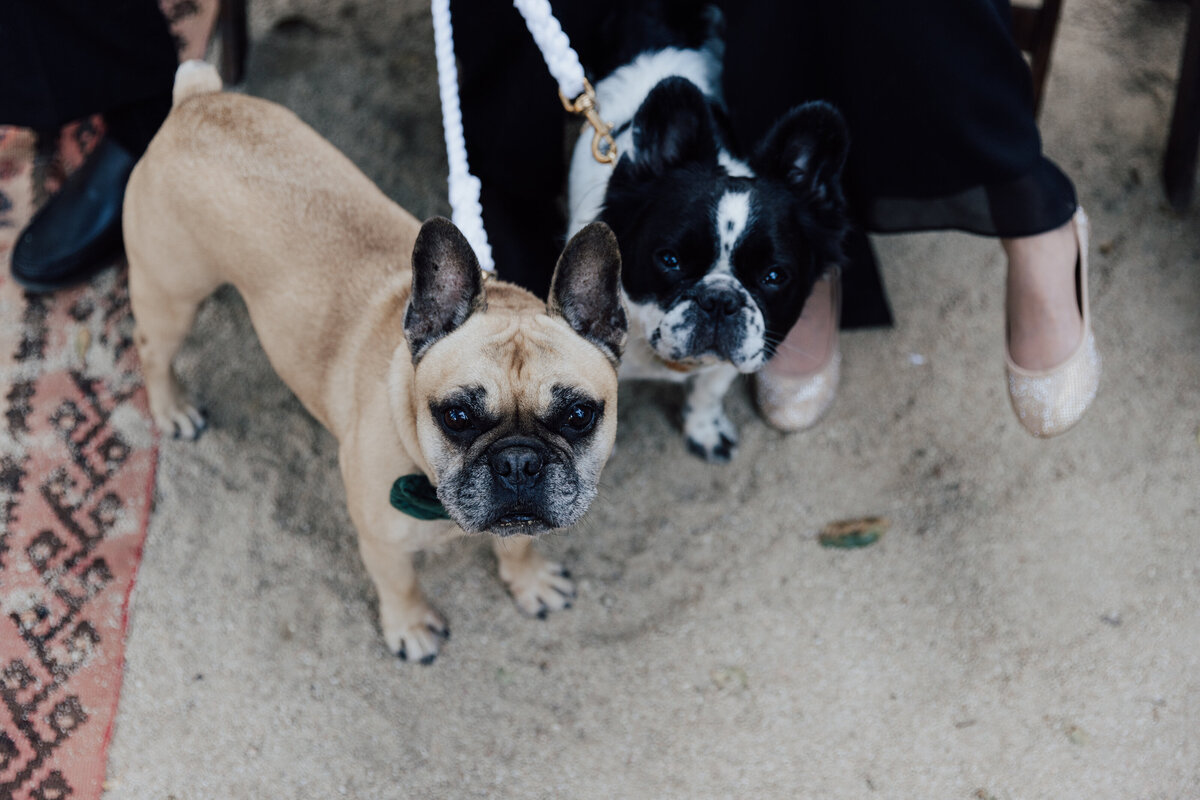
(387, 334)
(720, 249)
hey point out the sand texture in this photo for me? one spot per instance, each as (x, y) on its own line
(1029, 627)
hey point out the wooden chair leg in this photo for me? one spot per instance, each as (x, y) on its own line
(235, 40)
(1179, 164)
(1033, 31)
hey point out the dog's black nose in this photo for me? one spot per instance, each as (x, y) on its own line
(517, 466)
(719, 302)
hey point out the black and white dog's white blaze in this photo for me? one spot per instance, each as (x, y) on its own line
(719, 251)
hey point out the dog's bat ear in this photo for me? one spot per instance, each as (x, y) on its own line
(447, 285)
(586, 289)
(674, 126)
(807, 148)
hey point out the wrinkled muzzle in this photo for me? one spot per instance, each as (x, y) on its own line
(518, 485)
(715, 320)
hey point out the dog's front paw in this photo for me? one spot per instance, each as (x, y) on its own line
(711, 436)
(538, 586)
(180, 421)
(416, 634)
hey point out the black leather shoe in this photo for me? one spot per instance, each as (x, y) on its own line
(69, 238)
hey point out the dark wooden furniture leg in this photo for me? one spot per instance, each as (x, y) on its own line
(235, 40)
(1179, 164)
(1033, 31)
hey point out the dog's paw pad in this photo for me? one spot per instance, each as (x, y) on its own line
(184, 422)
(541, 588)
(712, 438)
(419, 637)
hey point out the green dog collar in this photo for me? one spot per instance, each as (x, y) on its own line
(414, 495)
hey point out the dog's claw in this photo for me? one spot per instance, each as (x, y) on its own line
(417, 635)
(540, 588)
(183, 422)
(720, 452)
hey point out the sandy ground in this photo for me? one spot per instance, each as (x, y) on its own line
(1029, 627)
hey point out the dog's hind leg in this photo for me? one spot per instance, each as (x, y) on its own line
(163, 309)
(539, 586)
(161, 328)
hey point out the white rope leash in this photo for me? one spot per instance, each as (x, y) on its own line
(564, 66)
(561, 60)
(464, 187)
(573, 89)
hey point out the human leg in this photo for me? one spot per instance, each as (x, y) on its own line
(74, 60)
(1049, 303)
(799, 383)
(1044, 319)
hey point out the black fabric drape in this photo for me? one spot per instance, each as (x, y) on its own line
(62, 60)
(937, 98)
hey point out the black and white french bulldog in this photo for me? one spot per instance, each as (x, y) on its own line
(720, 249)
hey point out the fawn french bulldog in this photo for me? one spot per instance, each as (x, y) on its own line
(389, 335)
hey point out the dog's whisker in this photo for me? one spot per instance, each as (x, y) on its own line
(802, 351)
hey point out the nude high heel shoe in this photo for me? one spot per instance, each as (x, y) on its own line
(1048, 402)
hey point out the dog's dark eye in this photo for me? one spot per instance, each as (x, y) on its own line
(774, 276)
(667, 259)
(580, 417)
(457, 419)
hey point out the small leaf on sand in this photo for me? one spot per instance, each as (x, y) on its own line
(851, 533)
(1078, 735)
(730, 676)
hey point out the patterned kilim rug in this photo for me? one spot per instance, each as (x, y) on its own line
(77, 461)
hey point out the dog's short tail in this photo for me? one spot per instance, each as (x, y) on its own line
(193, 78)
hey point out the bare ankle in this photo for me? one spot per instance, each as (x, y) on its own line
(1045, 324)
(809, 343)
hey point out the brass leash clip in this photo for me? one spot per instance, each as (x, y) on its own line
(585, 104)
